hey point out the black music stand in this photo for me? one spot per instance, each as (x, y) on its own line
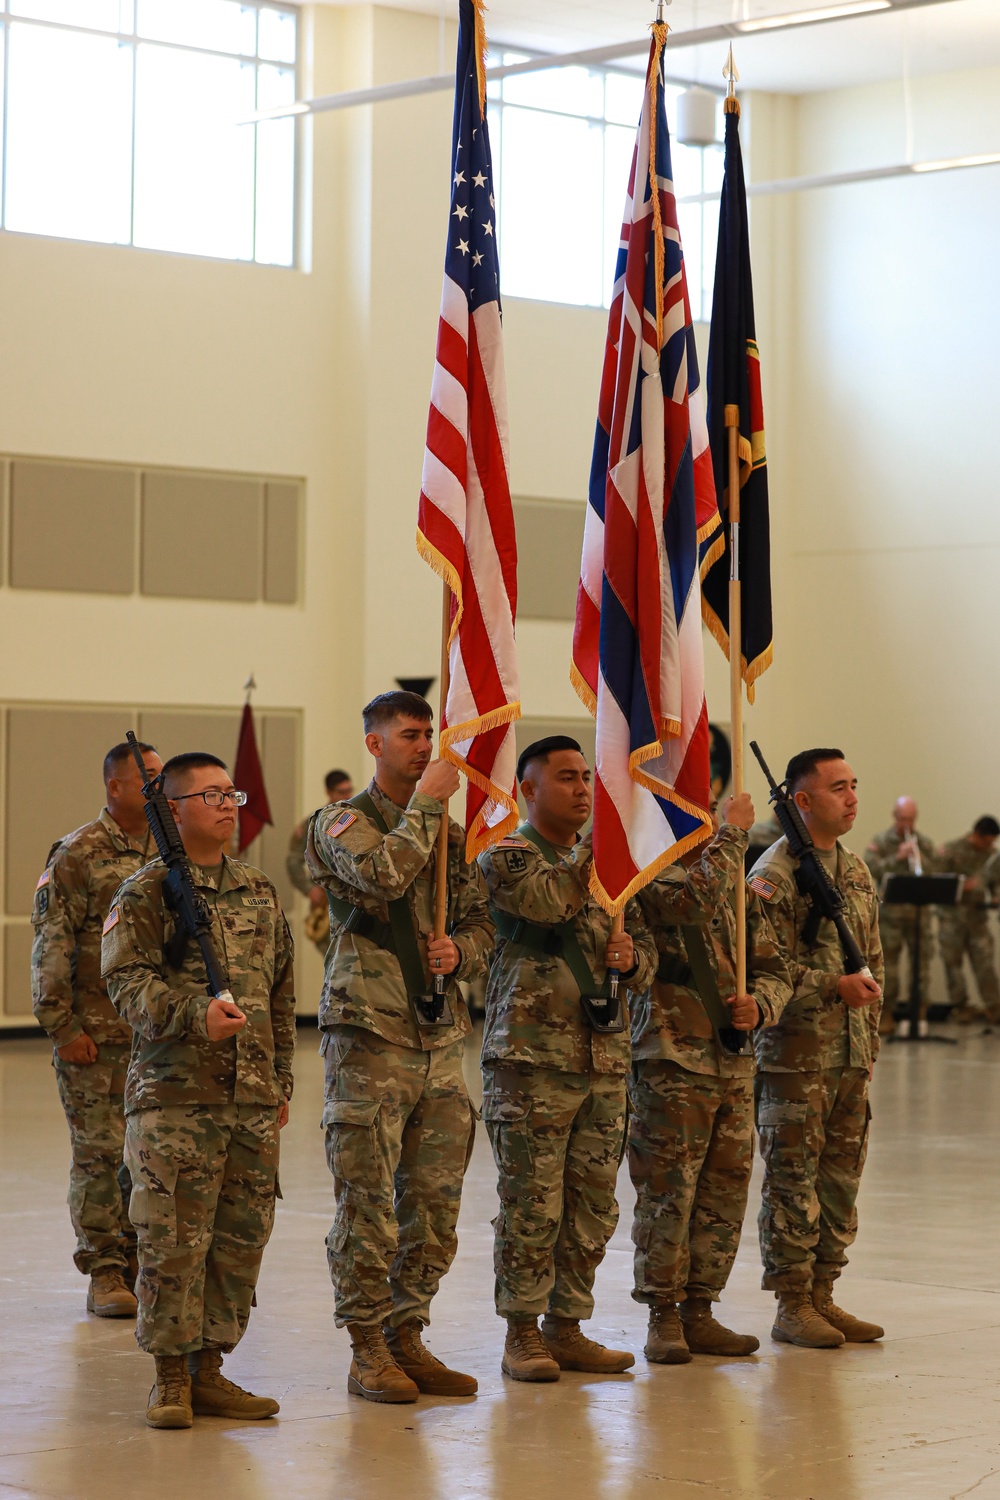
(920, 891)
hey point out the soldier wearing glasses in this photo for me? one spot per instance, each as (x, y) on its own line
(207, 1092)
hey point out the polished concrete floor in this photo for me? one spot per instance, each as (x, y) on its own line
(913, 1417)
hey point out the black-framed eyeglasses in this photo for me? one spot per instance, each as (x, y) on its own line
(214, 797)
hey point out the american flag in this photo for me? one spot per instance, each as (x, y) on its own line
(637, 647)
(465, 528)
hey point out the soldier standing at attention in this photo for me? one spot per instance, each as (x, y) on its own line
(553, 1085)
(317, 923)
(965, 927)
(91, 1041)
(690, 1142)
(900, 850)
(207, 1092)
(399, 1123)
(814, 1067)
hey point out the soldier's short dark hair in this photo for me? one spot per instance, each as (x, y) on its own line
(803, 765)
(121, 754)
(177, 767)
(542, 749)
(395, 705)
(987, 827)
(334, 778)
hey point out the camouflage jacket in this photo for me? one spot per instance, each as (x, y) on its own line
(670, 1021)
(173, 1061)
(816, 1030)
(295, 859)
(533, 1012)
(72, 898)
(355, 861)
(882, 858)
(961, 857)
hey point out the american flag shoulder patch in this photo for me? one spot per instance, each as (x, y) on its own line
(341, 825)
(110, 921)
(764, 888)
(43, 879)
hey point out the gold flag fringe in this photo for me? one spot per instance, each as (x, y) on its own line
(482, 47)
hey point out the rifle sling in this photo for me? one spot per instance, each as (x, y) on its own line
(399, 934)
(704, 979)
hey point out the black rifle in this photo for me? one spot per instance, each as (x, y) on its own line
(194, 919)
(811, 877)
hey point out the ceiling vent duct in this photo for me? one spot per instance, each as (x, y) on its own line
(697, 111)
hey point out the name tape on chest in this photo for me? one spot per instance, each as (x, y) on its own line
(341, 825)
(257, 901)
(110, 921)
(43, 879)
(764, 888)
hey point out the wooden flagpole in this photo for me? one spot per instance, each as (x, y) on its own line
(441, 865)
(732, 415)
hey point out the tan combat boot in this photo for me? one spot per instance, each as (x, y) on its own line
(704, 1335)
(526, 1356)
(109, 1297)
(855, 1330)
(374, 1374)
(572, 1350)
(169, 1403)
(212, 1395)
(798, 1322)
(429, 1375)
(665, 1342)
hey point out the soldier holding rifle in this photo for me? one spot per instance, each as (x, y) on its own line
(815, 1064)
(198, 959)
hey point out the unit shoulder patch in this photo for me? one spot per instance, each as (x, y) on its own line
(515, 861)
(341, 825)
(112, 920)
(764, 888)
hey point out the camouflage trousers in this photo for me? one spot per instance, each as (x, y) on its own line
(690, 1154)
(400, 1128)
(897, 932)
(557, 1140)
(968, 933)
(204, 1181)
(93, 1099)
(813, 1130)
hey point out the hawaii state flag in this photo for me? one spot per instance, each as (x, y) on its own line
(734, 380)
(465, 528)
(637, 648)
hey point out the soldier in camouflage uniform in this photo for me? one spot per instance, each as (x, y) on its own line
(898, 851)
(814, 1068)
(317, 923)
(554, 1087)
(207, 1092)
(90, 1040)
(398, 1119)
(691, 1125)
(964, 928)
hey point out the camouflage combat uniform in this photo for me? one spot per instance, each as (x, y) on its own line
(317, 921)
(397, 1115)
(553, 1088)
(202, 1117)
(812, 1078)
(965, 928)
(69, 999)
(897, 924)
(690, 1143)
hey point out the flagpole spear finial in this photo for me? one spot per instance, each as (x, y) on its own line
(731, 73)
(250, 686)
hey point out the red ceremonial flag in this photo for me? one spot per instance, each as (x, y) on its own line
(465, 529)
(248, 774)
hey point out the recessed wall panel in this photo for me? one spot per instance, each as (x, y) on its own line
(174, 731)
(282, 509)
(72, 527)
(201, 536)
(549, 542)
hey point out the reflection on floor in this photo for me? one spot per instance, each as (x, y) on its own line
(914, 1417)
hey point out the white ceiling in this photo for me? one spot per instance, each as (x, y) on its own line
(943, 37)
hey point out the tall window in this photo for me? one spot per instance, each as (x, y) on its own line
(120, 124)
(562, 146)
